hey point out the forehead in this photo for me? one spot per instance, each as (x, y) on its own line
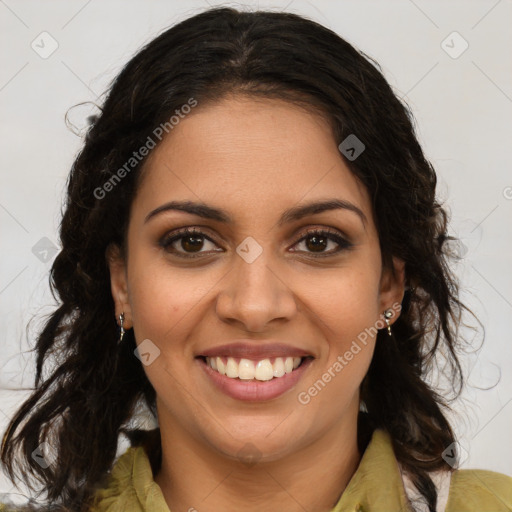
(245, 154)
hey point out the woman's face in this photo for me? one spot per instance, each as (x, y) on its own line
(251, 284)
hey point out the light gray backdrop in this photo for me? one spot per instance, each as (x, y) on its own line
(450, 60)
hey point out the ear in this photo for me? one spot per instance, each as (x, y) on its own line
(392, 288)
(119, 284)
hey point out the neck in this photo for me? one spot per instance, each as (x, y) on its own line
(194, 477)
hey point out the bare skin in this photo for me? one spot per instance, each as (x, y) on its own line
(255, 159)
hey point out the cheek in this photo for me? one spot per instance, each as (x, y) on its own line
(163, 305)
(347, 311)
(346, 300)
(163, 299)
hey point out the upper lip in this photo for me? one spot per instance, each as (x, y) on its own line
(254, 350)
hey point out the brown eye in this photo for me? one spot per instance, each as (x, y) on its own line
(185, 241)
(192, 243)
(188, 243)
(316, 243)
(318, 240)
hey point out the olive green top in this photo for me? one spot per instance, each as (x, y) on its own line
(378, 485)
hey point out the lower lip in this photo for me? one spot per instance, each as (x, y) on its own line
(255, 390)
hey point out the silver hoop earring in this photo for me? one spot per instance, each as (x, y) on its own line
(121, 321)
(388, 314)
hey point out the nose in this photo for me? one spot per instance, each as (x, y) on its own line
(253, 295)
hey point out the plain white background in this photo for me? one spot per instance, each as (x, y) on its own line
(461, 98)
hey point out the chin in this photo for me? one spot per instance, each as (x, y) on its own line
(253, 449)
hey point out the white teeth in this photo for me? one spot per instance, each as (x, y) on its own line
(249, 370)
(232, 368)
(221, 367)
(245, 369)
(279, 367)
(264, 370)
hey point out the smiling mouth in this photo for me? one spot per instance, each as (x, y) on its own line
(260, 370)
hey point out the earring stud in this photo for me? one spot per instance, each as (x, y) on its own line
(121, 321)
(388, 314)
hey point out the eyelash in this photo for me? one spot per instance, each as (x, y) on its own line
(168, 240)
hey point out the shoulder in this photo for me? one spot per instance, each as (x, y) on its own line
(130, 486)
(480, 491)
(118, 491)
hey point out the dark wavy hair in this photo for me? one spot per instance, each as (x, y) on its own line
(87, 399)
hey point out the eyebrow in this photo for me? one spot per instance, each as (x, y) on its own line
(290, 215)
